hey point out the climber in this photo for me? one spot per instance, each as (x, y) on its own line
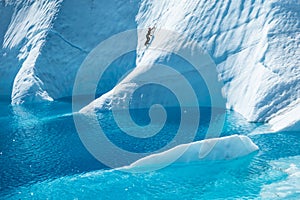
(148, 36)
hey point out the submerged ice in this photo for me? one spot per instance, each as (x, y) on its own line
(288, 184)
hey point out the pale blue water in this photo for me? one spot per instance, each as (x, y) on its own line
(42, 157)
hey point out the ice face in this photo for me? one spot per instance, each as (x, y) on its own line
(45, 42)
(255, 45)
(256, 61)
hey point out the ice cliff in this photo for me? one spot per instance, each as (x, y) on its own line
(255, 45)
(44, 43)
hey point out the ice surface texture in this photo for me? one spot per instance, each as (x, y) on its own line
(255, 45)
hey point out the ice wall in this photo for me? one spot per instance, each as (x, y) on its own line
(23, 33)
(255, 45)
(44, 43)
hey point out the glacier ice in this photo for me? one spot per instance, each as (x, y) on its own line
(224, 148)
(46, 41)
(255, 45)
(27, 24)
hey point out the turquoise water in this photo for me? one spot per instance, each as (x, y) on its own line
(42, 157)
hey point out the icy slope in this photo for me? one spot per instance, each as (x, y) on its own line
(22, 35)
(44, 43)
(255, 45)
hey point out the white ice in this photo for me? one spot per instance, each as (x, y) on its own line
(288, 187)
(224, 148)
(255, 45)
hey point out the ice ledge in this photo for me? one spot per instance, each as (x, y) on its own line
(225, 148)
